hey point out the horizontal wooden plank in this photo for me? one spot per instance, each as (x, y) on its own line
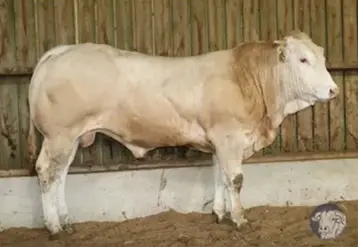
(27, 71)
(19, 71)
(194, 163)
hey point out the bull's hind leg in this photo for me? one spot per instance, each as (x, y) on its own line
(47, 179)
(53, 158)
(62, 205)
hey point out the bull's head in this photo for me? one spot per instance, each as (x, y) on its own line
(305, 74)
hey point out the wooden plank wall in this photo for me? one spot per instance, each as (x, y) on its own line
(178, 28)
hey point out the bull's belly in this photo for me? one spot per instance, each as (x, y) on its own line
(171, 137)
(148, 135)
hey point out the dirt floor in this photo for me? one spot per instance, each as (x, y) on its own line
(268, 226)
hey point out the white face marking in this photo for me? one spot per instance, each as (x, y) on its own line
(312, 80)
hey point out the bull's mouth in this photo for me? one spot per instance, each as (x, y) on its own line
(331, 97)
(327, 100)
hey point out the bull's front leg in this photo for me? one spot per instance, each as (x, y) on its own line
(235, 186)
(229, 148)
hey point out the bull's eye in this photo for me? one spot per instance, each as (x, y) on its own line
(303, 60)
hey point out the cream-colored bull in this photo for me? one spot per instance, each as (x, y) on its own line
(228, 103)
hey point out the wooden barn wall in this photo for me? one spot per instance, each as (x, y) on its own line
(178, 28)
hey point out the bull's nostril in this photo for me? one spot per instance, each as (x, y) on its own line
(333, 92)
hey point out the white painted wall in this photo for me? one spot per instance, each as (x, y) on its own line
(116, 195)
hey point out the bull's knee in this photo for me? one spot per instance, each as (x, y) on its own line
(238, 181)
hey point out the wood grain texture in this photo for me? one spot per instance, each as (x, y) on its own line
(181, 27)
(143, 36)
(217, 33)
(335, 54)
(318, 34)
(350, 78)
(26, 56)
(251, 19)
(9, 126)
(163, 31)
(104, 22)
(234, 23)
(10, 148)
(25, 33)
(23, 119)
(46, 28)
(86, 21)
(199, 27)
(123, 14)
(285, 22)
(304, 118)
(64, 22)
(7, 34)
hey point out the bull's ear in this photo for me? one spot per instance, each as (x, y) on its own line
(281, 49)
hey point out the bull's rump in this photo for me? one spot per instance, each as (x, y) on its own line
(147, 100)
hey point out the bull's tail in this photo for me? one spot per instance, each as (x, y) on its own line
(32, 147)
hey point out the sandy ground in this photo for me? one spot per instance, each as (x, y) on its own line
(268, 226)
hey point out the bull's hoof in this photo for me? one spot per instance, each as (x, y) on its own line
(62, 235)
(225, 220)
(215, 216)
(240, 222)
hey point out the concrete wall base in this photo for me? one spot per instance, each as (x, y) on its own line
(116, 196)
